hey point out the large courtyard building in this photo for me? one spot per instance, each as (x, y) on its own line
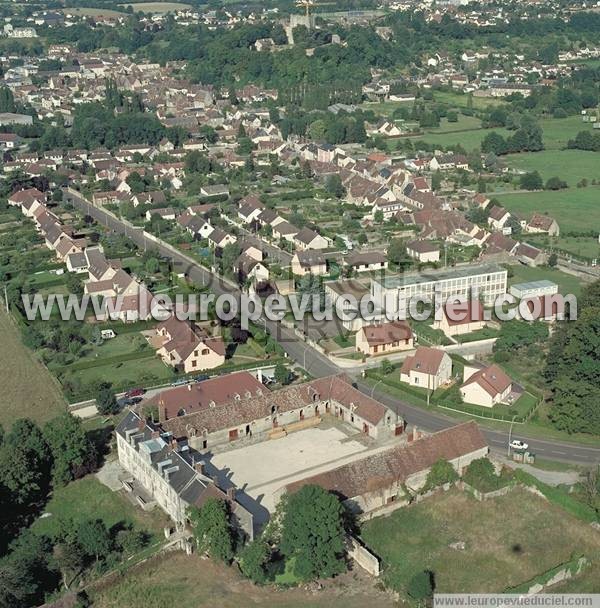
(488, 280)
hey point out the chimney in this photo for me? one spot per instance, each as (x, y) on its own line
(174, 444)
(155, 434)
(231, 493)
(141, 425)
(200, 468)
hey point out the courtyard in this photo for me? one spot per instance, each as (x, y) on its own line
(262, 469)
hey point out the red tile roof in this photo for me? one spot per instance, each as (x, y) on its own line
(378, 471)
(386, 333)
(425, 360)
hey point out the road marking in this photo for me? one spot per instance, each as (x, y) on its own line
(556, 452)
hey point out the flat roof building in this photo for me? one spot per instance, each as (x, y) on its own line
(533, 289)
(488, 279)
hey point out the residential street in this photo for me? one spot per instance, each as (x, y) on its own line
(319, 365)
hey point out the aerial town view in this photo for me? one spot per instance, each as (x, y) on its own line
(300, 304)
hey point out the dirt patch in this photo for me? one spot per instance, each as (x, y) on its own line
(197, 582)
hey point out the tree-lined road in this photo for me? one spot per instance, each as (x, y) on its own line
(317, 364)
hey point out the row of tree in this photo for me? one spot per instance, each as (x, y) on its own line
(573, 367)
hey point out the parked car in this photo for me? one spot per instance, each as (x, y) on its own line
(133, 401)
(516, 444)
(201, 377)
(180, 381)
(134, 392)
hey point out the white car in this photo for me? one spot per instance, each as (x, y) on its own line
(515, 444)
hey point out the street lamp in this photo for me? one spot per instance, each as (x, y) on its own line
(510, 435)
(374, 387)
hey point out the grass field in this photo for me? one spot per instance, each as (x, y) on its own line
(94, 12)
(566, 283)
(469, 140)
(579, 246)
(570, 165)
(28, 390)
(460, 100)
(88, 498)
(557, 131)
(157, 7)
(198, 583)
(509, 540)
(575, 209)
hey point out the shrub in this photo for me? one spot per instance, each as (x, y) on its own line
(441, 472)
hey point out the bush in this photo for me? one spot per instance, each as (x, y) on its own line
(480, 474)
(420, 587)
(441, 472)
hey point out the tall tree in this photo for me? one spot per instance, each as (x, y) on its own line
(73, 453)
(25, 463)
(212, 529)
(313, 533)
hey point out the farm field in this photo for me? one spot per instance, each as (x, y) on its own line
(469, 140)
(575, 209)
(570, 165)
(461, 100)
(28, 390)
(513, 552)
(199, 583)
(94, 12)
(157, 7)
(557, 132)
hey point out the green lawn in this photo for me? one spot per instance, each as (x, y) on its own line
(428, 335)
(566, 283)
(88, 498)
(575, 209)
(509, 540)
(125, 374)
(481, 334)
(121, 345)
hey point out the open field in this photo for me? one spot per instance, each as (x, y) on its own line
(198, 583)
(575, 209)
(157, 7)
(509, 540)
(461, 100)
(557, 131)
(469, 140)
(94, 12)
(570, 165)
(28, 390)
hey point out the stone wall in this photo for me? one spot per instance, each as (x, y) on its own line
(362, 556)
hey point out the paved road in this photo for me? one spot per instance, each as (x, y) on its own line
(319, 365)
